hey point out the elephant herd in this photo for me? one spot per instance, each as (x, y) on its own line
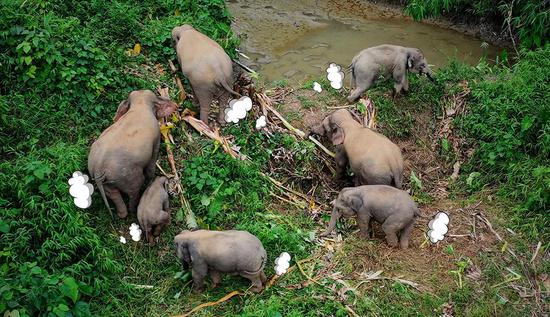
(124, 156)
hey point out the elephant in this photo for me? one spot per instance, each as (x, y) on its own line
(207, 67)
(125, 153)
(384, 60)
(153, 211)
(373, 158)
(215, 252)
(391, 207)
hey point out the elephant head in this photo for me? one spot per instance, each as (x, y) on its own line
(182, 249)
(177, 32)
(417, 63)
(347, 205)
(332, 126)
(161, 107)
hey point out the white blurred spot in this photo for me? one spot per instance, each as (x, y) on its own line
(438, 227)
(80, 190)
(335, 76)
(135, 232)
(261, 123)
(317, 87)
(122, 240)
(237, 109)
(282, 263)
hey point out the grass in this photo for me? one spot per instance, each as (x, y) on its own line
(59, 94)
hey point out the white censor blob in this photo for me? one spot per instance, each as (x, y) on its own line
(317, 87)
(261, 123)
(135, 232)
(80, 190)
(335, 76)
(237, 109)
(282, 263)
(438, 227)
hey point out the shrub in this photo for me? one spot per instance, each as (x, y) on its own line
(529, 18)
(509, 119)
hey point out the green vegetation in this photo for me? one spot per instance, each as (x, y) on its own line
(65, 67)
(529, 19)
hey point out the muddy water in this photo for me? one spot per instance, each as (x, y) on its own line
(298, 39)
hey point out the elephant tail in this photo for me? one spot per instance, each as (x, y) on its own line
(99, 178)
(225, 85)
(398, 179)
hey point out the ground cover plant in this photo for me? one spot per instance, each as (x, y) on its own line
(65, 66)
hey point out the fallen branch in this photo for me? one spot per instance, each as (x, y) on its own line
(203, 128)
(181, 93)
(190, 220)
(536, 252)
(209, 304)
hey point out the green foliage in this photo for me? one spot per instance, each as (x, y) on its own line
(529, 18)
(64, 68)
(509, 120)
(31, 290)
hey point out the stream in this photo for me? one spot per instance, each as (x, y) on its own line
(297, 40)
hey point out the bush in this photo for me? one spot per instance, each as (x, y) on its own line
(64, 68)
(529, 18)
(509, 120)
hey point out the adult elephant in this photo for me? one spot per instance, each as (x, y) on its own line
(207, 67)
(126, 152)
(386, 60)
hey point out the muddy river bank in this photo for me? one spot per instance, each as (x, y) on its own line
(298, 39)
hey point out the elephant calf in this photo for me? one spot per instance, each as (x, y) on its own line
(373, 158)
(208, 68)
(126, 152)
(153, 211)
(215, 252)
(391, 207)
(384, 60)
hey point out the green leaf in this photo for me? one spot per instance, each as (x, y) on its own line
(205, 200)
(527, 123)
(4, 227)
(70, 288)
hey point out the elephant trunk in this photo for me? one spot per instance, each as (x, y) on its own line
(332, 223)
(430, 74)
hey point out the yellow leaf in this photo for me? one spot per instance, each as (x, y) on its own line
(165, 129)
(177, 13)
(137, 49)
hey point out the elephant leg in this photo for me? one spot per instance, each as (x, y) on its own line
(256, 281)
(132, 190)
(405, 235)
(223, 101)
(199, 271)
(263, 278)
(205, 100)
(216, 278)
(362, 83)
(150, 169)
(363, 221)
(391, 233)
(116, 197)
(401, 82)
(341, 162)
(149, 236)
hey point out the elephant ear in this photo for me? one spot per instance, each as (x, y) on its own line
(354, 202)
(164, 107)
(337, 135)
(410, 61)
(123, 107)
(182, 251)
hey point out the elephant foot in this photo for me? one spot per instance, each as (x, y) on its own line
(256, 289)
(122, 214)
(198, 289)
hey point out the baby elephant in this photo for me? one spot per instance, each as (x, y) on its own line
(215, 252)
(391, 207)
(386, 60)
(373, 158)
(153, 211)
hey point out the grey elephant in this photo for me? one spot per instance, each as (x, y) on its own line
(126, 152)
(153, 211)
(215, 252)
(373, 158)
(207, 67)
(391, 207)
(386, 60)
